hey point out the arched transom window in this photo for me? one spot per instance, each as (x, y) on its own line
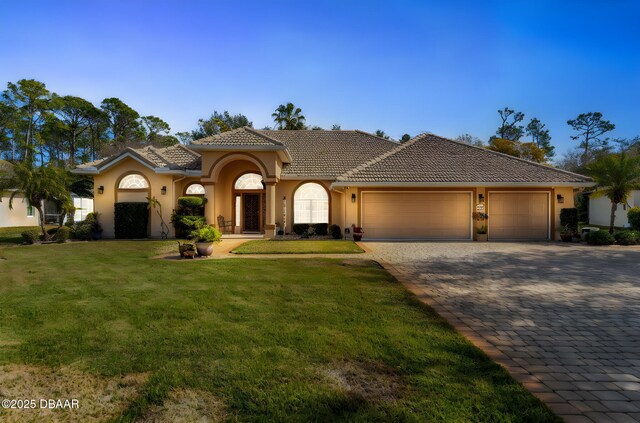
(311, 204)
(133, 181)
(195, 189)
(249, 181)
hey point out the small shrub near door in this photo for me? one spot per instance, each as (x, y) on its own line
(188, 216)
(300, 228)
(321, 229)
(569, 219)
(634, 218)
(131, 220)
(335, 231)
(600, 238)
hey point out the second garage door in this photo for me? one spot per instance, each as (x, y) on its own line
(416, 215)
(518, 215)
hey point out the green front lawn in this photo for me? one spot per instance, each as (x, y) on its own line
(298, 247)
(261, 340)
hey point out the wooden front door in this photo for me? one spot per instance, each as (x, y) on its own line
(251, 212)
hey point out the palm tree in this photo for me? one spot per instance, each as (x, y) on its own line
(616, 175)
(37, 184)
(289, 117)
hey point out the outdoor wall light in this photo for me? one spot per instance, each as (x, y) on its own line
(163, 190)
(353, 197)
(101, 189)
(481, 198)
(560, 199)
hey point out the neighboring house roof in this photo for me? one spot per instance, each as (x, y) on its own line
(174, 158)
(357, 158)
(428, 158)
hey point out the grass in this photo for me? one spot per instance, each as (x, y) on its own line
(271, 340)
(12, 235)
(298, 247)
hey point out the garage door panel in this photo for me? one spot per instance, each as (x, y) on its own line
(416, 215)
(518, 216)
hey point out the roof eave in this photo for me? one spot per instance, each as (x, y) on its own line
(461, 184)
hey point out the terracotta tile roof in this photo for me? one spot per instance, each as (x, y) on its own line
(244, 136)
(324, 153)
(176, 157)
(429, 158)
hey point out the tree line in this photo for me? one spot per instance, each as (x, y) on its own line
(533, 141)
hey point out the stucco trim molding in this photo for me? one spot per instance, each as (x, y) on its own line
(462, 184)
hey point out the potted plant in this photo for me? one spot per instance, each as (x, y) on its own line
(204, 238)
(357, 232)
(481, 233)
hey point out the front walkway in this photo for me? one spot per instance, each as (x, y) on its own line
(563, 319)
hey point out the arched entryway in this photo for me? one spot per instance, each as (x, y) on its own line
(249, 203)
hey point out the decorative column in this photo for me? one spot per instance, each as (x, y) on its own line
(209, 207)
(270, 224)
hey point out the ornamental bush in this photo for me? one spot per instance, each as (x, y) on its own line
(569, 219)
(634, 218)
(602, 237)
(321, 229)
(62, 234)
(627, 237)
(301, 228)
(184, 224)
(191, 206)
(131, 220)
(30, 236)
(335, 231)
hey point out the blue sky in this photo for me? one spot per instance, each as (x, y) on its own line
(402, 66)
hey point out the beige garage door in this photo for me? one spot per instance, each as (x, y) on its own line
(416, 215)
(518, 215)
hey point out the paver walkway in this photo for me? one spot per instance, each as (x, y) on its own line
(564, 319)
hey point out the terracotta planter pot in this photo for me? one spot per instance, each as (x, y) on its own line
(357, 237)
(205, 249)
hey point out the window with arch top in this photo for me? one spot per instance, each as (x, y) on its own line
(195, 189)
(311, 204)
(133, 181)
(249, 181)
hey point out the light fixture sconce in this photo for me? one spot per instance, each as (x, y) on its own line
(560, 199)
(353, 197)
(163, 190)
(480, 198)
(101, 189)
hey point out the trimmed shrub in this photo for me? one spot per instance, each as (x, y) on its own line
(335, 231)
(62, 234)
(184, 225)
(30, 236)
(191, 206)
(206, 234)
(601, 237)
(569, 219)
(82, 232)
(131, 220)
(301, 228)
(627, 237)
(321, 229)
(634, 218)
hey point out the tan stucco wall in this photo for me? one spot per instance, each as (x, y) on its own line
(104, 203)
(17, 216)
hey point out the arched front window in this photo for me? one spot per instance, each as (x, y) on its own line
(249, 181)
(311, 204)
(195, 189)
(133, 181)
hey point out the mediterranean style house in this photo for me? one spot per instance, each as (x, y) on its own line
(262, 180)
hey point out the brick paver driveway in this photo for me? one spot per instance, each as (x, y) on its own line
(563, 318)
